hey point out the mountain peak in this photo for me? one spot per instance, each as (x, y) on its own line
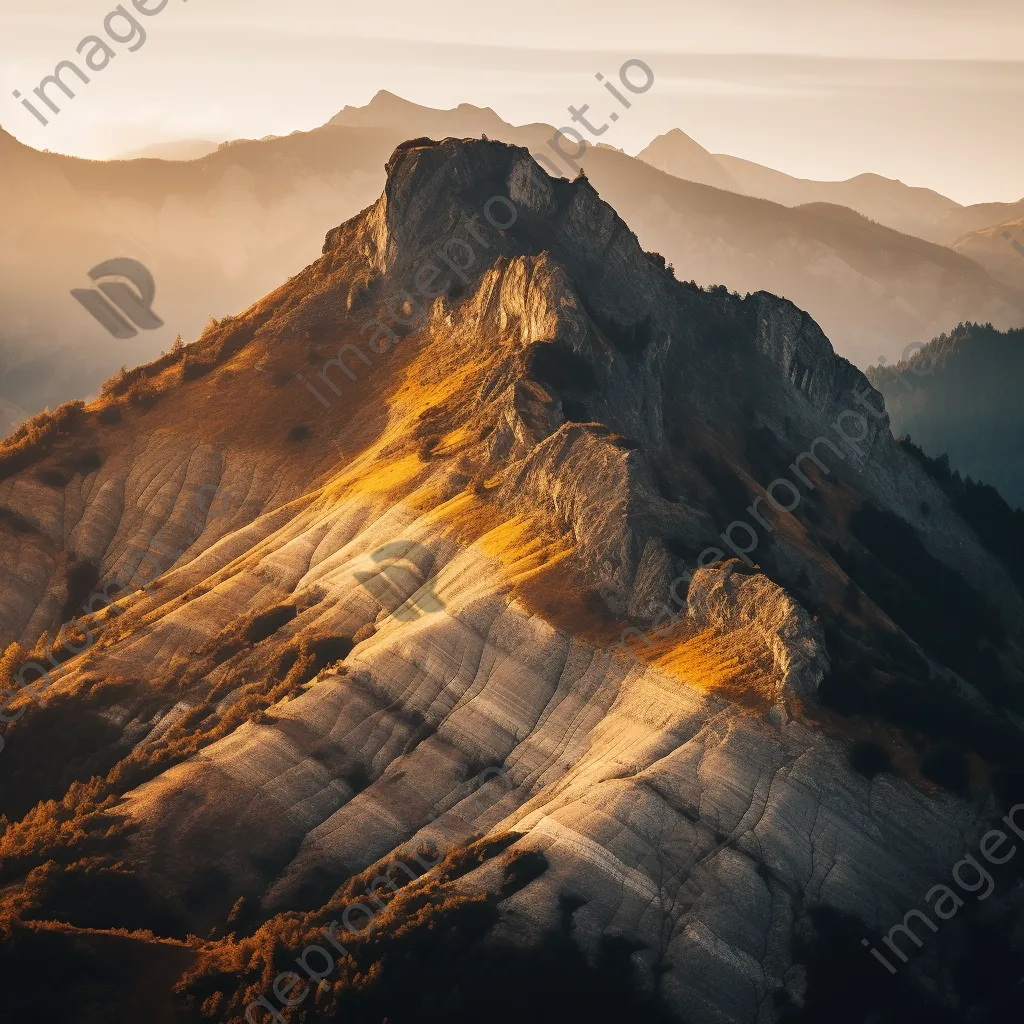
(385, 98)
(677, 154)
(387, 109)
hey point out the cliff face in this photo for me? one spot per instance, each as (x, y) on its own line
(465, 541)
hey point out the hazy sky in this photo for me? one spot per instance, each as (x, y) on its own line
(928, 91)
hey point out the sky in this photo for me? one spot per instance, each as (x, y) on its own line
(927, 91)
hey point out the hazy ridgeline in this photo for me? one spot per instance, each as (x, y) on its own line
(220, 231)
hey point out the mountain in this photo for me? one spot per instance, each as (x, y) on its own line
(185, 149)
(976, 218)
(215, 234)
(676, 153)
(415, 687)
(960, 397)
(386, 110)
(999, 249)
(218, 232)
(908, 209)
(911, 210)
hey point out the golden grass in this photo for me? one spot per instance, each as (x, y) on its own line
(454, 441)
(385, 478)
(731, 666)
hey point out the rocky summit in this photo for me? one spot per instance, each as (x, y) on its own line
(488, 623)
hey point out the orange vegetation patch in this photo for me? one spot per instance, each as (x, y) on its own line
(521, 545)
(388, 478)
(524, 545)
(434, 379)
(732, 666)
(735, 666)
(454, 441)
(556, 594)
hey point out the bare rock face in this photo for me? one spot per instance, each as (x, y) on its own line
(632, 567)
(796, 344)
(727, 599)
(492, 582)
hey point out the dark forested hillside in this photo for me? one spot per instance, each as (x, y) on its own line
(960, 396)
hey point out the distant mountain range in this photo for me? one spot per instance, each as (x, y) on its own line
(219, 231)
(999, 249)
(187, 149)
(976, 218)
(677, 154)
(908, 209)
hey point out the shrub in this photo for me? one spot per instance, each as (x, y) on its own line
(265, 624)
(53, 478)
(142, 394)
(82, 577)
(121, 381)
(15, 521)
(193, 366)
(869, 759)
(37, 437)
(948, 768)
